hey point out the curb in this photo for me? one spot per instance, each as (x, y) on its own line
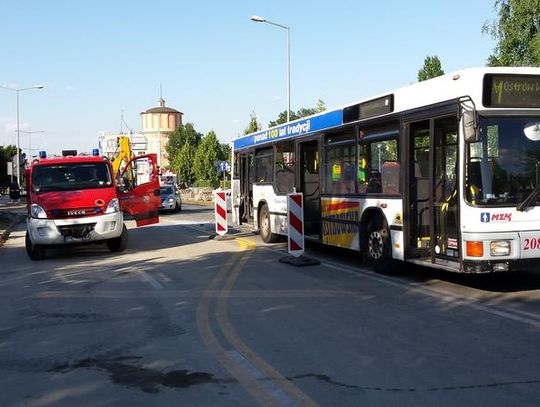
(16, 219)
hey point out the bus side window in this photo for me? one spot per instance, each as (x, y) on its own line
(390, 177)
(374, 183)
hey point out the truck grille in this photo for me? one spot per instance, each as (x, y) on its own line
(75, 212)
(77, 231)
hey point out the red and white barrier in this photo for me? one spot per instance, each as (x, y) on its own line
(221, 213)
(295, 220)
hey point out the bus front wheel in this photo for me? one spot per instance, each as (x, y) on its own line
(265, 228)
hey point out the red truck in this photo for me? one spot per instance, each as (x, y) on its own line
(76, 199)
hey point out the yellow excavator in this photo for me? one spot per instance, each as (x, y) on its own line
(123, 153)
(122, 156)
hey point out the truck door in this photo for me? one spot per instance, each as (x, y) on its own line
(138, 189)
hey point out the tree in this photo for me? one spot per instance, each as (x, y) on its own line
(208, 154)
(183, 164)
(431, 69)
(253, 125)
(321, 106)
(517, 31)
(303, 112)
(226, 152)
(184, 134)
(181, 147)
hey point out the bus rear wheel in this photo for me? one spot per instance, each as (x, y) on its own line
(265, 227)
(379, 249)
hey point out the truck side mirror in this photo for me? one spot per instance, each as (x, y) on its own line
(470, 126)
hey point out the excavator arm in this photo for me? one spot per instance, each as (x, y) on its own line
(123, 154)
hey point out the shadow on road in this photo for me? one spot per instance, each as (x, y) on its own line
(516, 281)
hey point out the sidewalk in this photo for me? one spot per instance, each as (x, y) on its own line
(11, 213)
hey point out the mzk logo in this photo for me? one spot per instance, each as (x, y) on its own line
(486, 217)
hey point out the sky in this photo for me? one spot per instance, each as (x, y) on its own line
(97, 59)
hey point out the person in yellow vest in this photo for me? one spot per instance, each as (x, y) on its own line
(362, 170)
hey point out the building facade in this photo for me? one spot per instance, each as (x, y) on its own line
(108, 143)
(157, 123)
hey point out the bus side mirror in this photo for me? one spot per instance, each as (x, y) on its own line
(470, 126)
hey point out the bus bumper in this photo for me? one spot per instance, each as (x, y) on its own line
(490, 266)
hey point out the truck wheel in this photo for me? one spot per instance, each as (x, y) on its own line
(34, 251)
(379, 249)
(119, 244)
(265, 229)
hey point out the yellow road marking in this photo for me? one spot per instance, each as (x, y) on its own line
(283, 388)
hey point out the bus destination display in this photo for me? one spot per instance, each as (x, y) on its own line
(371, 108)
(511, 91)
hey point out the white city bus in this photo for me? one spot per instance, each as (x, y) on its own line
(444, 173)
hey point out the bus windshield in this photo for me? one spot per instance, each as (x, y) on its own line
(503, 169)
(65, 177)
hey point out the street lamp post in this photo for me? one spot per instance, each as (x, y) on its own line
(30, 138)
(258, 19)
(18, 90)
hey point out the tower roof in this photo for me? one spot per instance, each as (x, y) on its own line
(161, 108)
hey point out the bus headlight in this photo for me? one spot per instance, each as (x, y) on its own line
(113, 206)
(500, 248)
(37, 212)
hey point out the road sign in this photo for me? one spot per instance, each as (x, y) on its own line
(221, 213)
(9, 168)
(223, 166)
(295, 220)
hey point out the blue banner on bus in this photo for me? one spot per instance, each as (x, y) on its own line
(293, 129)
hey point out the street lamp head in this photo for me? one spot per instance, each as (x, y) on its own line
(258, 19)
(38, 86)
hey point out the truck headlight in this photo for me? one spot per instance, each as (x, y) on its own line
(37, 212)
(500, 247)
(113, 206)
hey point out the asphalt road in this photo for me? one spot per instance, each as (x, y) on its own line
(183, 319)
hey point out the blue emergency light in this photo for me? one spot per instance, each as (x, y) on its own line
(95, 152)
(42, 154)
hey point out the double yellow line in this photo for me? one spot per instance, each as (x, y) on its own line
(262, 381)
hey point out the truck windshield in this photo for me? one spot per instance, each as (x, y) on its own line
(64, 177)
(503, 169)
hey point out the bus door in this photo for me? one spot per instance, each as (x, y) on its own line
(446, 189)
(418, 190)
(432, 196)
(310, 187)
(246, 188)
